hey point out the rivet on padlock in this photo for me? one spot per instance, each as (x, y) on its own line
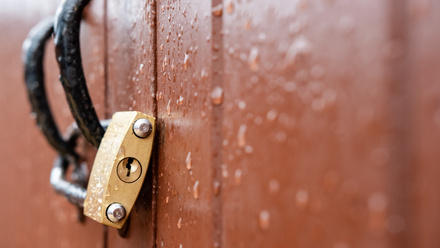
(120, 167)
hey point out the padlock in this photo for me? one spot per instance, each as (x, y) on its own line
(119, 168)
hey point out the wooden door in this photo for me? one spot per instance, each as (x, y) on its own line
(280, 123)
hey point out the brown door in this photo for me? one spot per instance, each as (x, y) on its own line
(283, 123)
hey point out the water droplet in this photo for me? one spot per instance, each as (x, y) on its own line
(167, 199)
(290, 86)
(299, 48)
(254, 59)
(238, 174)
(179, 223)
(377, 202)
(217, 96)
(281, 136)
(185, 61)
(116, 187)
(274, 186)
(196, 190)
(271, 115)
(203, 75)
(302, 199)
(264, 219)
(217, 10)
(242, 136)
(188, 161)
(229, 6)
(169, 108)
(248, 149)
(241, 105)
(141, 69)
(225, 173)
(216, 188)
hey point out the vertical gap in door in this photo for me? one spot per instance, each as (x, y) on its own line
(217, 120)
(106, 86)
(155, 159)
(399, 172)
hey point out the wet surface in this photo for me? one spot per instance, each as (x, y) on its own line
(312, 124)
(34, 215)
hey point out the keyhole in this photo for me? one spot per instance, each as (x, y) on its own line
(129, 169)
(128, 166)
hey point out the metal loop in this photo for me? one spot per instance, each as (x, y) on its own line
(67, 49)
(74, 192)
(33, 54)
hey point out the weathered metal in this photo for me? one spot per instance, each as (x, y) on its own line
(68, 53)
(120, 167)
(33, 54)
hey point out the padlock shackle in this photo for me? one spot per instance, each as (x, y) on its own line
(75, 192)
(33, 55)
(68, 54)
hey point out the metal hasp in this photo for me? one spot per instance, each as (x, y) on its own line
(119, 169)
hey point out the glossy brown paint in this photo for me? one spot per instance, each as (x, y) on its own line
(280, 124)
(33, 215)
(421, 76)
(184, 69)
(131, 85)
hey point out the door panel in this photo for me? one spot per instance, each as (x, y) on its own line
(185, 175)
(305, 124)
(131, 86)
(280, 123)
(33, 214)
(420, 77)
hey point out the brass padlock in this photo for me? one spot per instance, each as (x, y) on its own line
(119, 168)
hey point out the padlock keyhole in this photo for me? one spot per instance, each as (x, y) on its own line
(128, 166)
(129, 169)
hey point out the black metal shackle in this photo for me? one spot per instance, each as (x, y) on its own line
(68, 53)
(33, 55)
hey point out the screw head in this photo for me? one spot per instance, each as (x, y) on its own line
(115, 212)
(142, 128)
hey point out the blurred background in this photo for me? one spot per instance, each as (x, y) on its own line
(284, 123)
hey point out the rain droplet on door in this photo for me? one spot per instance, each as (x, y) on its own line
(188, 161)
(196, 190)
(264, 219)
(217, 96)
